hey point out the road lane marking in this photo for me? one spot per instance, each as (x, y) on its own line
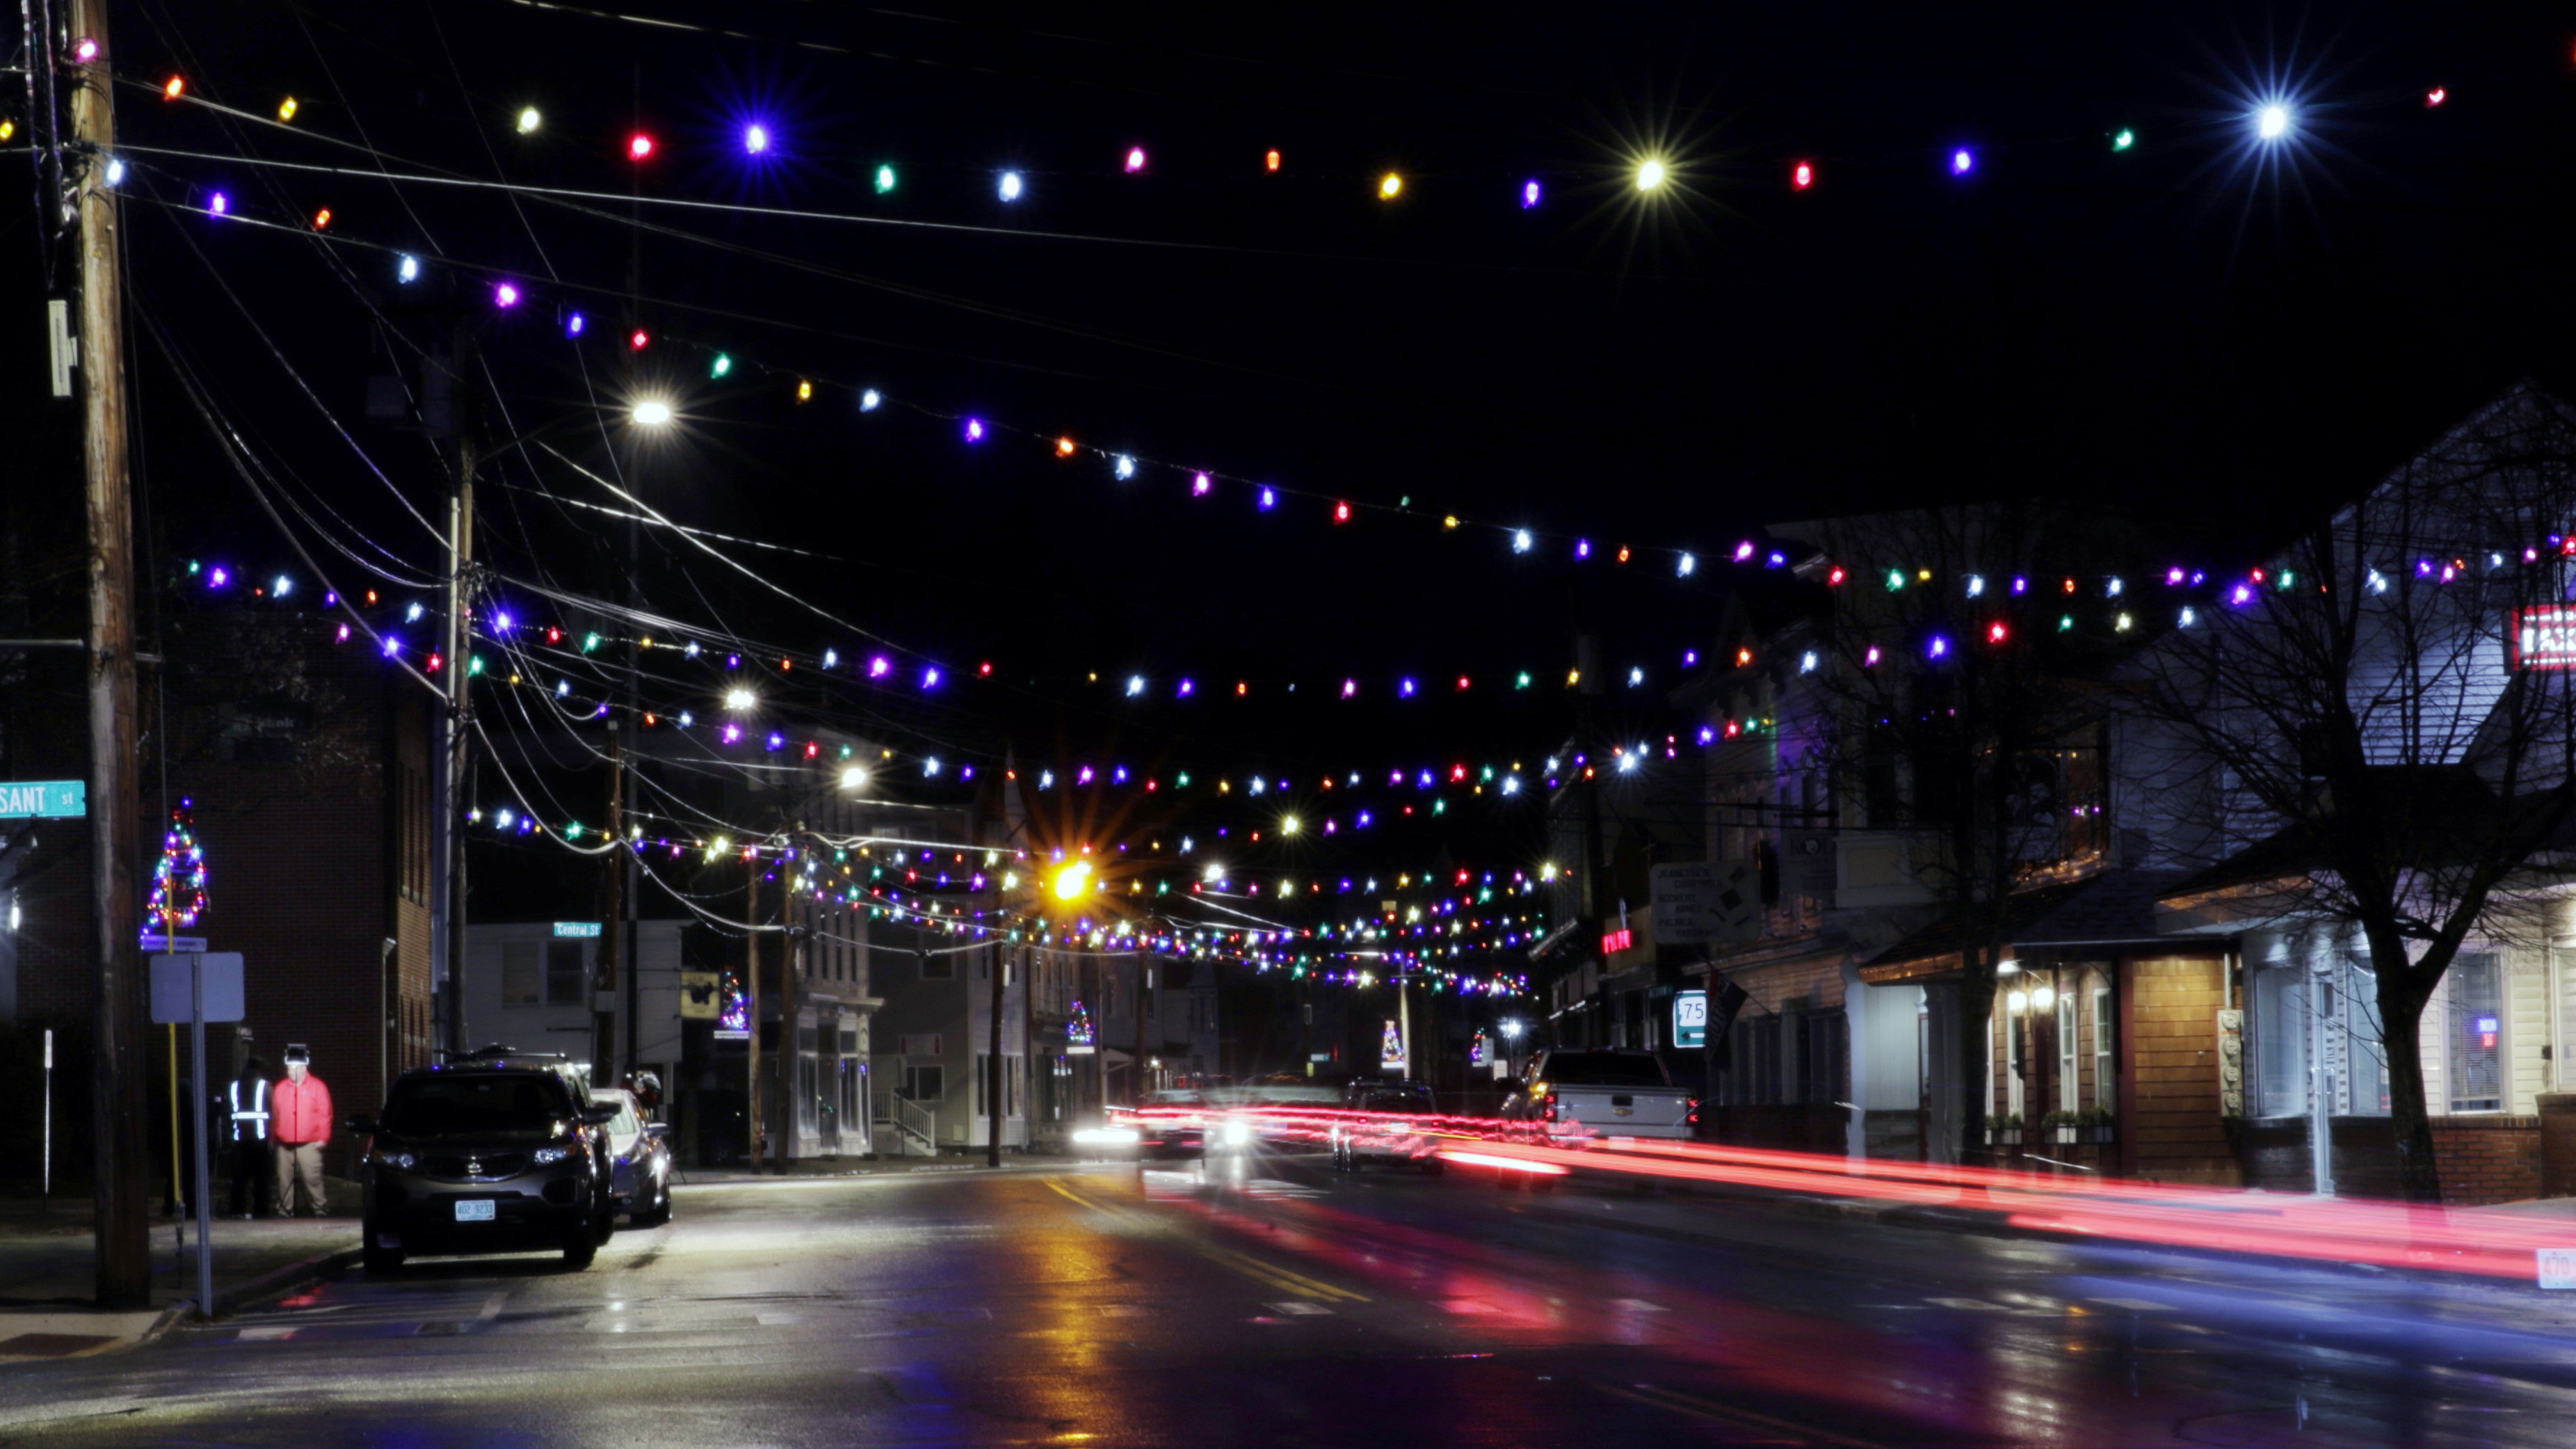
(1972, 1305)
(1296, 1309)
(2137, 1305)
(1269, 1274)
(1732, 1414)
(1638, 1305)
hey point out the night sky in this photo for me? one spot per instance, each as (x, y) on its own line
(2198, 328)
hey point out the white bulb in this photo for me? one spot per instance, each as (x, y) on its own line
(1010, 186)
(2272, 122)
(652, 414)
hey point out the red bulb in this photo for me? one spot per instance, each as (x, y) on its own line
(1802, 175)
(2435, 97)
(1270, 162)
(638, 146)
(637, 340)
(1341, 513)
(1996, 633)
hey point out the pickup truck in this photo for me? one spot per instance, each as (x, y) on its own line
(1576, 1094)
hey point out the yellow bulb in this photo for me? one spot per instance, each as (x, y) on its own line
(286, 109)
(1650, 176)
(1391, 186)
(529, 120)
(804, 392)
(1073, 881)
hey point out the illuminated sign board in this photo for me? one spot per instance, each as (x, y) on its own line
(582, 930)
(1615, 941)
(1690, 1018)
(2544, 638)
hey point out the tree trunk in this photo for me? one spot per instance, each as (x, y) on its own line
(2401, 1016)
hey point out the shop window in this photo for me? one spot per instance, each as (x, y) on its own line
(925, 1084)
(2476, 1033)
(2106, 1073)
(565, 970)
(2067, 1056)
(520, 982)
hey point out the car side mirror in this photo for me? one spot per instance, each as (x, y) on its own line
(657, 1130)
(363, 1126)
(599, 1113)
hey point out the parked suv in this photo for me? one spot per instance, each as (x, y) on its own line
(487, 1155)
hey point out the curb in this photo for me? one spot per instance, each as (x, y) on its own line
(231, 1299)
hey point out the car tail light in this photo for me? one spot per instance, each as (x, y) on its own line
(1548, 1105)
(1694, 1112)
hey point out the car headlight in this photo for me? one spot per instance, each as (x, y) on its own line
(552, 1154)
(395, 1159)
(1237, 1133)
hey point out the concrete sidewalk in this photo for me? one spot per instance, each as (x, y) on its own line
(47, 1273)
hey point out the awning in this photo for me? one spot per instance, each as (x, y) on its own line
(2103, 914)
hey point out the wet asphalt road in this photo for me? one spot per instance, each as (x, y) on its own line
(1289, 1306)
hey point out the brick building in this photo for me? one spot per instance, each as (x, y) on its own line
(306, 763)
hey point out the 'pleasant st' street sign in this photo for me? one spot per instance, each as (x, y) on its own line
(44, 799)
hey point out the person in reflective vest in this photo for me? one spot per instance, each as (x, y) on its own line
(246, 1140)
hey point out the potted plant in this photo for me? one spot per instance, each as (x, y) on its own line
(2004, 1131)
(2066, 1126)
(2100, 1125)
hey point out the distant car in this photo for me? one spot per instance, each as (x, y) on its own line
(1172, 1123)
(639, 1160)
(486, 1155)
(1573, 1094)
(1362, 1135)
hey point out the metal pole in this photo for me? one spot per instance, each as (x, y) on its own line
(1403, 1025)
(48, 1189)
(123, 1229)
(170, 1037)
(197, 1070)
(751, 997)
(2320, 1103)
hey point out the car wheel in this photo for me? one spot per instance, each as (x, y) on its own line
(581, 1245)
(379, 1260)
(659, 1213)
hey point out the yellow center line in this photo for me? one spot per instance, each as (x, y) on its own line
(1742, 1418)
(1269, 1275)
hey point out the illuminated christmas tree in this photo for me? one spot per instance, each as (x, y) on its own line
(179, 881)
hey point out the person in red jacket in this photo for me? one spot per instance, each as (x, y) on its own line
(300, 1125)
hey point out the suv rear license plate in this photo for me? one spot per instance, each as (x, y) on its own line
(475, 1211)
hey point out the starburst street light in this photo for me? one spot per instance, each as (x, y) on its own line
(1651, 175)
(2272, 120)
(853, 777)
(652, 412)
(1073, 882)
(739, 701)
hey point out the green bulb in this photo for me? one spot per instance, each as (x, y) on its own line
(723, 365)
(885, 180)
(2124, 139)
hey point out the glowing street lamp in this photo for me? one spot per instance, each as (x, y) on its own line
(1651, 175)
(652, 412)
(1073, 882)
(2272, 121)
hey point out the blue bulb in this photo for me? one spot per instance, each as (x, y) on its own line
(407, 270)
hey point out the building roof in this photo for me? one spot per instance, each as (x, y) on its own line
(2111, 908)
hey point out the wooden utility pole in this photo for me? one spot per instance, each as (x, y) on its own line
(612, 953)
(460, 673)
(791, 1048)
(124, 1264)
(997, 963)
(751, 999)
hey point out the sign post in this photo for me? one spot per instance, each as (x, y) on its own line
(48, 1188)
(1701, 903)
(210, 986)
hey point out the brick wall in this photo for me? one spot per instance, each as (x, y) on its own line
(2487, 1159)
(2483, 1159)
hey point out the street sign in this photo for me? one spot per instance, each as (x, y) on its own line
(1704, 902)
(583, 930)
(2557, 1267)
(698, 996)
(1690, 1019)
(171, 994)
(44, 800)
(1808, 865)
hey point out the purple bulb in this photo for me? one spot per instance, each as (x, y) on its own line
(505, 295)
(1962, 161)
(1529, 194)
(974, 430)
